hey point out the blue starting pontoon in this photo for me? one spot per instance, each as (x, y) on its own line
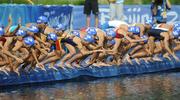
(93, 71)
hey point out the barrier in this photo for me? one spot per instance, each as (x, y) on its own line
(132, 14)
(61, 74)
(29, 14)
(63, 14)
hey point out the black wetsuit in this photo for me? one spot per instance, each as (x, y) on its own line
(156, 33)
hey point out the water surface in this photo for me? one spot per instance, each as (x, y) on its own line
(162, 86)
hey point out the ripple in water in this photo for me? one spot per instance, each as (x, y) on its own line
(164, 86)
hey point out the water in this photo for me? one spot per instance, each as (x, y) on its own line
(163, 86)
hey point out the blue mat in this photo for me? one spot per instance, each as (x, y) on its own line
(62, 74)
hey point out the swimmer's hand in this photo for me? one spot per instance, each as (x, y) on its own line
(19, 60)
(47, 49)
(48, 44)
(44, 51)
(39, 65)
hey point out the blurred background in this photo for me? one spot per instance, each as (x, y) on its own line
(78, 2)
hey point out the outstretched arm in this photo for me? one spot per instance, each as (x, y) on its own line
(34, 55)
(168, 4)
(39, 40)
(133, 40)
(9, 25)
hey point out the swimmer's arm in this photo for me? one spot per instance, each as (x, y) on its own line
(39, 40)
(8, 43)
(34, 56)
(45, 48)
(65, 35)
(98, 47)
(132, 40)
(94, 47)
(10, 54)
(85, 52)
(100, 42)
(17, 46)
(9, 25)
(177, 42)
(25, 54)
(37, 46)
(117, 44)
(168, 4)
(41, 50)
(91, 47)
(1, 46)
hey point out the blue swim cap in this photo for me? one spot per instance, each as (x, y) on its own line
(52, 36)
(21, 33)
(111, 33)
(42, 19)
(111, 42)
(177, 25)
(76, 33)
(60, 27)
(89, 39)
(149, 21)
(33, 29)
(2, 31)
(176, 33)
(91, 31)
(134, 29)
(29, 41)
(13, 28)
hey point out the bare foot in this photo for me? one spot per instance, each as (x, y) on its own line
(61, 65)
(176, 58)
(167, 57)
(35, 70)
(2, 69)
(137, 61)
(51, 66)
(104, 64)
(89, 63)
(17, 72)
(118, 64)
(146, 60)
(76, 65)
(128, 59)
(68, 65)
(97, 65)
(41, 66)
(7, 68)
(156, 58)
(149, 59)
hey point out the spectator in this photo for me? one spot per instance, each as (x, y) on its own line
(116, 9)
(159, 10)
(91, 6)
